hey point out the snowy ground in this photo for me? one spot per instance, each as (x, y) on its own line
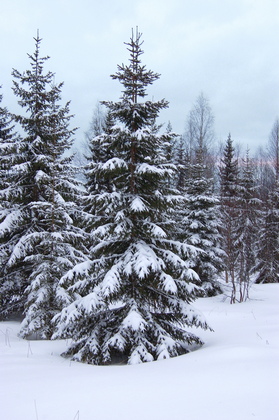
(235, 376)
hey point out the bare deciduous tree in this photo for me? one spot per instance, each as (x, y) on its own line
(199, 133)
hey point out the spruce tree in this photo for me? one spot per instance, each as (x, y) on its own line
(266, 269)
(200, 225)
(8, 152)
(44, 240)
(247, 228)
(9, 141)
(136, 291)
(229, 197)
(267, 250)
(182, 163)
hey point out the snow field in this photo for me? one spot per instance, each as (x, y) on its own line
(234, 376)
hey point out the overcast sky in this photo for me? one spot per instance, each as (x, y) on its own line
(227, 49)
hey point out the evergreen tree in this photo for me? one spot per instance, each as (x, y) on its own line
(167, 152)
(99, 152)
(8, 151)
(182, 162)
(200, 225)
(264, 175)
(246, 229)
(136, 291)
(267, 266)
(229, 196)
(44, 239)
(8, 208)
(267, 258)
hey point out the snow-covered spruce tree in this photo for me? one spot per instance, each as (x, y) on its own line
(229, 198)
(200, 225)
(99, 151)
(137, 289)
(267, 266)
(8, 208)
(182, 162)
(44, 239)
(8, 154)
(175, 153)
(264, 175)
(247, 229)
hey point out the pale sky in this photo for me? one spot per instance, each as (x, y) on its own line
(227, 49)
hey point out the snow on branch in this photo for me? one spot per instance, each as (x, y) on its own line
(10, 220)
(134, 320)
(117, 341)
(140, 354)
(41, 176)
(166, 347)
(156, 230)
(142, 259)
(80, 270)
(145, 168)
(23, 246)
(114, 163)
(169, 283)
(137, 205)
(111, 281)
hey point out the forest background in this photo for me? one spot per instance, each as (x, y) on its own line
(115, 265)
(124, 240)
